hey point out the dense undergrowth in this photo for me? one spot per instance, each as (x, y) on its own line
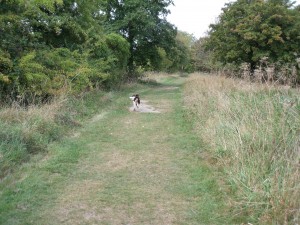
(252, 131)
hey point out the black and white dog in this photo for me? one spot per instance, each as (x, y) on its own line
(136, 101)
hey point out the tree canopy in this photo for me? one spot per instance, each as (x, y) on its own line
(50, 46)
(144, 25)
(248, 31)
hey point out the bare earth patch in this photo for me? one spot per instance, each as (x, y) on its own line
(144, 107)
(169, 88)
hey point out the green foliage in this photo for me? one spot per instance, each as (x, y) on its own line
(59, 28)
(247, 31)
(49, 72)
(6, 64)
(162, 62)
(202, 59)
(50, 5)
(180, 54)
(119, 48)
(53, 47)
(108, 56)
(144, 25)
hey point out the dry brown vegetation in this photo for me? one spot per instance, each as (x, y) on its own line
(25, 131)
(253, 131)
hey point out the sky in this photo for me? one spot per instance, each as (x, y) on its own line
(195, 16)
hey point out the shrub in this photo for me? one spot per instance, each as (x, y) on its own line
(5, 64)
(119, 48)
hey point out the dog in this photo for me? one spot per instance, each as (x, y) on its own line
(136, 101)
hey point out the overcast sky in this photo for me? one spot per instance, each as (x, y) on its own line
(194, 16)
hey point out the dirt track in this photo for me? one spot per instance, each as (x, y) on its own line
(144, 108)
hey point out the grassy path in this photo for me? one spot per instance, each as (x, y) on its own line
(120, 168)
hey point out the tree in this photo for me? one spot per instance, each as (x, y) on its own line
(143, 23)
(201, 59)
(181, 52)
(248, 31)
(46, 45)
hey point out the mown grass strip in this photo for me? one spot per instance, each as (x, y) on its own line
(121, 167)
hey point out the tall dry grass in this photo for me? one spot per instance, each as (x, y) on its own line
(26, 131)
(253, 130)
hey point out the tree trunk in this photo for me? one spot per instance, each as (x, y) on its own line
(131, 50)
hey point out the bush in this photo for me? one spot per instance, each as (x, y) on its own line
(5, 64)
(119, 48)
